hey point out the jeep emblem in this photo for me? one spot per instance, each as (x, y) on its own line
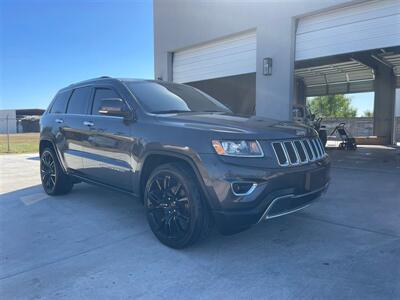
(300, 132)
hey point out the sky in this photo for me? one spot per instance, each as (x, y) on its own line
(48, 44)
(363, 102)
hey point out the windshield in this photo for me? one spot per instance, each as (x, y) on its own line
(165, 97)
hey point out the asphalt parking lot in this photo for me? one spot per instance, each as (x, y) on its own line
(95, 243)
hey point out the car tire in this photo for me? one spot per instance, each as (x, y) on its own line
(54, 180)
(176, 212)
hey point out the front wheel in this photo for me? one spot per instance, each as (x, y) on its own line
(176, 212)
(54, 180)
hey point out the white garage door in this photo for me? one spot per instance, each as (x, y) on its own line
(368, 25)
(226, 57)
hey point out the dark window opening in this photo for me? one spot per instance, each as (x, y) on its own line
(60, 103)
(101, 94)
(78, 103)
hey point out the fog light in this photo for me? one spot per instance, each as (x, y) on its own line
(243, 188)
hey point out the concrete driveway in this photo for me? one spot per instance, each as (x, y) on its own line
(96, 244)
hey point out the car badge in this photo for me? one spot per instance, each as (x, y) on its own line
(300, 132)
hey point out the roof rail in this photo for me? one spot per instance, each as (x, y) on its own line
(104, 77)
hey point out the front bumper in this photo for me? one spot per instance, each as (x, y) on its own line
(287, 204)
(229, 222)
(279, 191)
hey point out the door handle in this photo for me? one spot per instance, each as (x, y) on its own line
(88, 123)
(59, 121)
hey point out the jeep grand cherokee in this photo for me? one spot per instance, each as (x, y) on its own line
(190, 160)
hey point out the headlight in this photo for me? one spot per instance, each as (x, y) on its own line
(238, 148)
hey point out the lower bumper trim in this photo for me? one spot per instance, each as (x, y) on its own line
(283, 205)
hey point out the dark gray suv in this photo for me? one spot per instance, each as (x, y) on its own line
(190, 160)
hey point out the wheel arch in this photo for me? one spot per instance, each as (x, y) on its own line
(157, 158)
(48, 143)
(45, 143)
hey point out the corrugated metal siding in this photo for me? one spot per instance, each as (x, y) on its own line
(227, 57)
(394, 61)
(347, 77)
(369, 25)
(341, 88)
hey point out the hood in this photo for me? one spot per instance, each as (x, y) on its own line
(258, 127)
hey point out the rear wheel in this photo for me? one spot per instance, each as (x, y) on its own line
(175, 210)
(54, 180)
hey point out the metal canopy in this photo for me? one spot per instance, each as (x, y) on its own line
(352, 73)
(346, 77)
(393, 61)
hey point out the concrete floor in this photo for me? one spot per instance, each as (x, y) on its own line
(94, 243)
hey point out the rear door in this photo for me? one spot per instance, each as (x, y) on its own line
(57, 122)
(108, 144)
(74, 127)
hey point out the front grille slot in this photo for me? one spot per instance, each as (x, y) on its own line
(314, 149)
(291, 153)
(321, 146)
(319, 153)
(300, 151)
(280, 154)
(308, 149)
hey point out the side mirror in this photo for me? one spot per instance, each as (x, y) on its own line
(115, 107)
(312, 117)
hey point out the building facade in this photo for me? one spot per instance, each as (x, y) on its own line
(260, 57)
(20, 120)
(8, 121)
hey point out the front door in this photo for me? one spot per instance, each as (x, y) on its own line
(107, 145)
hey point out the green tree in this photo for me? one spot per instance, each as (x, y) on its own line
(332, 106)
(368, 113)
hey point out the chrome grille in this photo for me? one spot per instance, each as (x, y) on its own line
(300, 150)
(288, 146)
(292, 153)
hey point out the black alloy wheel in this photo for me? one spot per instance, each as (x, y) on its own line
(48, 171)
(175, 210)
(169, 205)
(54, 180)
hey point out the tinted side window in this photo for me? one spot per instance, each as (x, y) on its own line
(162, 97)
(60, 103)
(100, 94)
(78, 103)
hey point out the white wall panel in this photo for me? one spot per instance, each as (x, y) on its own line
(363, 26)
(226, 57)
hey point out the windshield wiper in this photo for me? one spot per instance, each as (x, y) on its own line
(171, 111)
(214, 111)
